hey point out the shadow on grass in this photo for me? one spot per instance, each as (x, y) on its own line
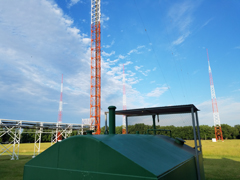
(221, 169)
(13, 169)
(214, 168)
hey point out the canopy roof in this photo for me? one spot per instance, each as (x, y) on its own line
(158, 110)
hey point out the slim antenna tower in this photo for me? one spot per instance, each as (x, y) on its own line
(60, 104)
(216, 118)
(59, 136)
(95, 88)
(124, 104)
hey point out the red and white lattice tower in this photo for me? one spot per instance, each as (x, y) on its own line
(216, 118)
(95, 85)
(124, 104)
(59, 137)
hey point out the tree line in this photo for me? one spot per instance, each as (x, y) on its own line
(186, 132)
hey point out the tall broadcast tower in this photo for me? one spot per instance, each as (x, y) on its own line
(216, 118)
(60, 104)
(95, 89)
(124, 104)
(59, 137)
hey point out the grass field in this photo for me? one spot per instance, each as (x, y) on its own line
(221, 160)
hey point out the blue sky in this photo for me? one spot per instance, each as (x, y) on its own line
(162, 44)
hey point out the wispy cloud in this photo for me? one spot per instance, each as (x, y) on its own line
(135, 50)
(121, 57)
(108, 54)
(228, 111)
(128, 62)
(108, 46)
(206, 23)
(104, 18)
(181, 17)
(137, 67)
(237, 47)
(157, 92)
(180, 39)
(73, 2)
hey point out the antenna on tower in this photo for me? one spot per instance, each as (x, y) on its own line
(216, 118)
(59, 137)
(124, 104)
(95, 85)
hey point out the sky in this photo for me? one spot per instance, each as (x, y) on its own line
(161, 43)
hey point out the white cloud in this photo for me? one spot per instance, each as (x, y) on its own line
(121, 57)
(137, 67)
(36, 50)
(206, 23)
(154, 69)
(103, 20)
(238, 47)
(132, 51)
(128, 62)
(181, 17)
(181, 39)
(107, 54)
(157, 92)
(73, 2)
(108, 46)
(228, 112)
(140, 47)
(136, 50)
(145, 73)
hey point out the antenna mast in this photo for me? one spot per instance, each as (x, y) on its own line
(95, 89)
(216, 118)
(60, 104)
(124, 104)
(59, 136)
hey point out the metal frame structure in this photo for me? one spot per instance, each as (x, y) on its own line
(14, 129)
(158, 111)
(87, 124)
(95, 85)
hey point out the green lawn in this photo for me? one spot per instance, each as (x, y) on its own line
(221, 160)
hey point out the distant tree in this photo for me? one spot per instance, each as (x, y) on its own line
(206, 132)
(118, 130)
(229, 132)
(237, 127)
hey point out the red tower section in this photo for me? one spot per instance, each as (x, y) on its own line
(95, 87)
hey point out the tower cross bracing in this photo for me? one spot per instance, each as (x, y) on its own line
(95, 85)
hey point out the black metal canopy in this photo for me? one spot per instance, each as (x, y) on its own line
(179, 109)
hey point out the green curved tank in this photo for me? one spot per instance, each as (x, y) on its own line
(115, 157)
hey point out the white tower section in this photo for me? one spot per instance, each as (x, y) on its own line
(95, 11)
(216, 117)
